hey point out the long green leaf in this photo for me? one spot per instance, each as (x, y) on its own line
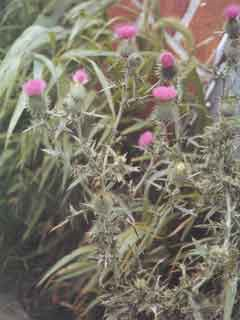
(81, 53)
(21, 106)
(84, 250)
(105, 86)
(230, 293)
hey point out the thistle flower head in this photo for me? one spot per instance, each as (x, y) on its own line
(80, 76)
(167, 59)
(126, 31)
(232, 11)
(145, 139)
(164, 93)
(34, 87)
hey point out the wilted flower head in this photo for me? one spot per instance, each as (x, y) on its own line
(126, 31)
(232, 11)
(80, 76)
(145, 139)
(34, 87)
(167, 59)
(164, 93)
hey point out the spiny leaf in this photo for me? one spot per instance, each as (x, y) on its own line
(105, 85)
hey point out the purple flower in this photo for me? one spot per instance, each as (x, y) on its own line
(126, 31)
(164, 93)
(232, 11)
(35, 87)
(80, 76)
(145, 139)
(167, 59)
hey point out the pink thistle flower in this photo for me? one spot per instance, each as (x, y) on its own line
(126, 31)
(80, 76)
(167, 59)
(34, 87)
(145, 139)
(164, 93)
(232, 11)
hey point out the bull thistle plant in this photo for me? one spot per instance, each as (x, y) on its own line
(122, 184)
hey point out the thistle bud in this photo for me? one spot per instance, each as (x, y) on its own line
(181, 169)
(103, 203)
(140, 283)
(168, 65)
(75, 97)
(232, 28)
(134, 60)
(34, 90)
(178, 173)
(165, 97)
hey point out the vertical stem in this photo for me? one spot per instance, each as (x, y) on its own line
(134, 87)
(228, 222)
(177, 126)
(158, 7)
(146, 12)
(231, 276)
(122, 103)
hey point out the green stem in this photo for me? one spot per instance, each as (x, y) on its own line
(228, 222)
(122, 104)
(146, 12)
